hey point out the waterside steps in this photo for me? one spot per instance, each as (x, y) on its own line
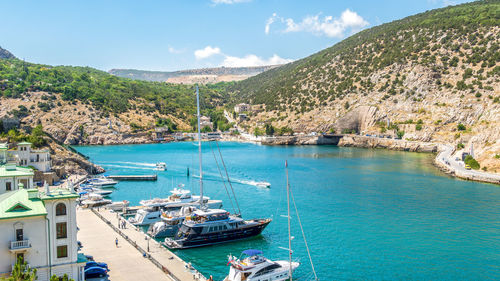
(134, 177)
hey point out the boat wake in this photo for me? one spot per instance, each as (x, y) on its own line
(214, 177)
(134, 163)
(128, 167)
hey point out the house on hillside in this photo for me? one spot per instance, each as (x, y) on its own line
(242, 107)
(40, 228)
(205, 122)
(26, 156)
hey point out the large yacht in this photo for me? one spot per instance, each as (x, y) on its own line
(102, 182)
(170, 222)
(255, 267)
(153, 208)
(214, 226)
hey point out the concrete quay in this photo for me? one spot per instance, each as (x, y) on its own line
(131, 260)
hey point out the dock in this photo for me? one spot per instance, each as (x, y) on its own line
(134, 177)
(136, 258)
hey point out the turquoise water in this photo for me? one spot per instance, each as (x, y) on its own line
(367, 214)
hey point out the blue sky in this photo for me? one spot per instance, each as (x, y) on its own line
(174, 34)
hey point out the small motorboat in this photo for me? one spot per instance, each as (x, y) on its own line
(263, 184)
(93, 200)
(96, 190)
(102, 182)
(161, 166)
(256, 267)
(118, 205)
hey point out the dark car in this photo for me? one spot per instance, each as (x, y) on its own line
(96, 264)
(96, 271)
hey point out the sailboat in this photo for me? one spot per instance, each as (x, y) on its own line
(255, 267)
(212, 226)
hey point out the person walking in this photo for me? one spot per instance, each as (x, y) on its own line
(116, 242)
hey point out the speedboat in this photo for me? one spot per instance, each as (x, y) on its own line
(255, 267)
(161, 166)
(96, 190)
(93, 200)
(170, 222)
(118, 205)
(214, 226)
(153, 208)
(263, 184)
(102, 182)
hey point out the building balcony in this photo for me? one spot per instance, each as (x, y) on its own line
(20, 245)
(27, 265)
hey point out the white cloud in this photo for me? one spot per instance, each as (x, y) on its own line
(173, 50)
(327, 26)
(208, 51)
(229, 1)
(253, 60)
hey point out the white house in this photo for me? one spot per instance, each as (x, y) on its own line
(40, 159)
(242, 107)
(40, 228)
(205, 122)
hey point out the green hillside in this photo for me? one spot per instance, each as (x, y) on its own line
(105, 92)
(463, 35)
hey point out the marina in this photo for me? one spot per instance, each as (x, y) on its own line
(361, 205)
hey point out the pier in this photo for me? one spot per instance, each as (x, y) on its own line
(135, 258)
(134, 177)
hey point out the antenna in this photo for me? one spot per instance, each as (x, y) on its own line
(289, 226)
(199, 146)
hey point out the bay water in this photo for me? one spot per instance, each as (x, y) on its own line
(367, 214)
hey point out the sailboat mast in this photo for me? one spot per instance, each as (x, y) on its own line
(289, 225)
(199, 145)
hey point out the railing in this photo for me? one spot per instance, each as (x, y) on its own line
(27, 266)
(22, 244)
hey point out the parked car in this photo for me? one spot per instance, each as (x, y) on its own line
(467, 167)
(94, 264)
(96, 271)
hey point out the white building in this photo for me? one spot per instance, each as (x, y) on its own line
(40, 228)
(25, 156)
(242, 107)
(205, 122)
(40, 159)
(12, 176)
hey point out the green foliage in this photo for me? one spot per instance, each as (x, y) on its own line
(284, 131)
(400, 134)
(418, 127)
(22, 272)
(461, 127)
(63, 278)
(258, 132)
(269, 130)
(460, 146)
(36, 137)
(469, 160)
(162, 122)
(497, 156)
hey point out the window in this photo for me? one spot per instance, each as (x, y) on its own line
(19, 234)
(62, 251)
(8, 186)
(267, 269)
(20, 257)
(60, 209)
(61, 230)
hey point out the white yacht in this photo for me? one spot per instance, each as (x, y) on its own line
(161, 166)
(93, 200)
(118, 205)
(263, 184)
(255, 267)
(153, 208)
(102, 182)
(170, 222)
(96, 190)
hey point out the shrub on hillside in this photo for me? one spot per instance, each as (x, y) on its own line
(469, 160)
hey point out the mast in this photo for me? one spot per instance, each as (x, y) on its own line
(289, 226)
(199, 146)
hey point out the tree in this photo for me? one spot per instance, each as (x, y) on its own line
(22, 272)
(461, 127)
(400, 134)
(269, 130)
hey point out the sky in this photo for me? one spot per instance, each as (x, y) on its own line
(169, 35)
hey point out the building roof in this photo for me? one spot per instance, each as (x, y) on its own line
(58, 194)
(17, 204)
(10, 170)
(24, 143)
(4, 146)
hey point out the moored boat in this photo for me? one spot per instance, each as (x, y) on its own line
(102, 182)
(93, 200)
(255, 267)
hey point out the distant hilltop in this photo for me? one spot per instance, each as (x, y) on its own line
(4, 54)
(191, 76)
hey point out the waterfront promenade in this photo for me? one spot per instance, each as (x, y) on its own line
(127, 261)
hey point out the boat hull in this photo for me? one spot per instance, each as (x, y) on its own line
(217, 238)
